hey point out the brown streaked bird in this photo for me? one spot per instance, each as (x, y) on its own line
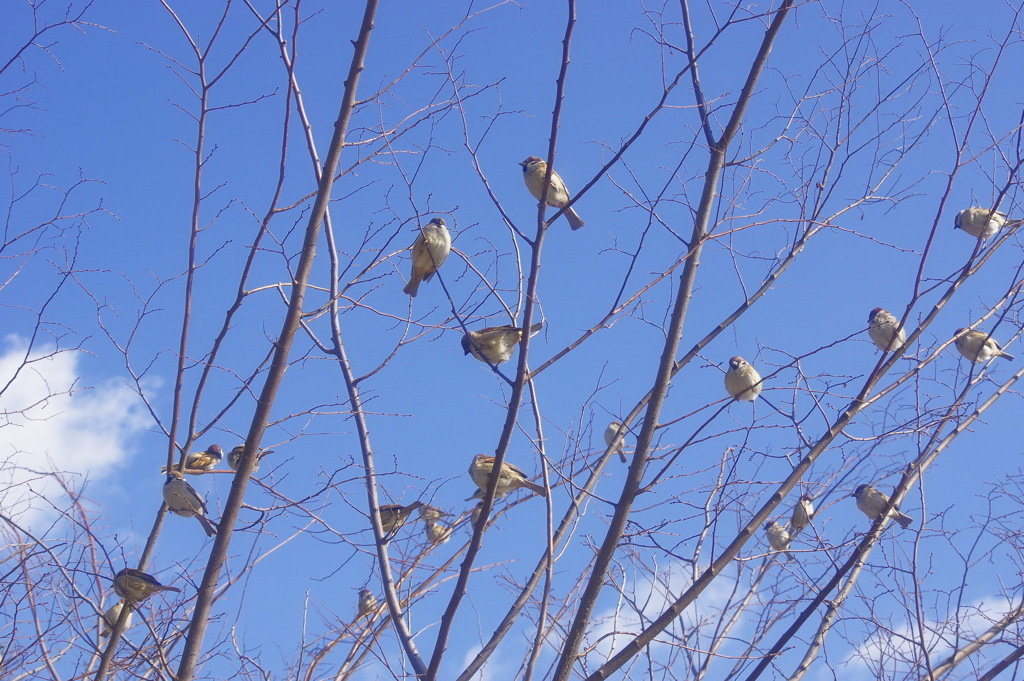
(610, 434)
(803, 513)
(201, 461)
(534, 170)
(871, 502)
(742, 381)
(432, 513)
(367, 603)
(393, 516)
(235, 455)
(495, 344)
(183, 500)
(429, 251)
(978, 346)
(112, 614)
(438, 532)
(884, 331)
(979, 222)
(778, 538)
(509, 479)
(136, 586)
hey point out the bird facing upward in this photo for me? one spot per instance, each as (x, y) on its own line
(611, 437)
(778, 538)
(803, 513)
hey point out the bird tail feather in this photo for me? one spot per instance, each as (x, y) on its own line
(575, 221)
(208, 525)
(534, 487)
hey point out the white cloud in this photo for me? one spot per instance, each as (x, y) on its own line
(618, 625)
(496, 667)
(899, 648)
(50, 422)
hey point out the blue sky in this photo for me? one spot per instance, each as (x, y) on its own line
(112, 107)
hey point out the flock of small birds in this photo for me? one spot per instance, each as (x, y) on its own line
(495, 345)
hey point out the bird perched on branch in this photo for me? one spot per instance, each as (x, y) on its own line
(438, 532)
(201, 461)
(367, 603)
(136, 586)
(872, 502)
(534, 170)
(235, 455)
(978, 346)
(475, 517)
(495, 344)
(979, 222)
(112, 614)
(509, 479)
(431, 513)
(429, 251)
(183, 500)
(742, 381)
(803, 513)
(611, 436)
(778, 538)
(393, 516)
(884, 331)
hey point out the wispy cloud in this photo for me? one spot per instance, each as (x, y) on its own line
(50, 422)
(899, 648)
(649, 598)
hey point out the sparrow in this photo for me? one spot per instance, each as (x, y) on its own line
(367, 603)
(803, 513)
(110, 618)
(872, 503)
(495, 344)
(201, 461)
(429, 251)
(476, 513)
(778, 538)
(742, 381)
(183, 500)
(392, 516)
(977, 346)
(431, 513)
(980, 222)
(610, 436)
(534, 170)
(438, 532)
(510, 478)
(235, 455)
(882, 329)
(136, 586)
